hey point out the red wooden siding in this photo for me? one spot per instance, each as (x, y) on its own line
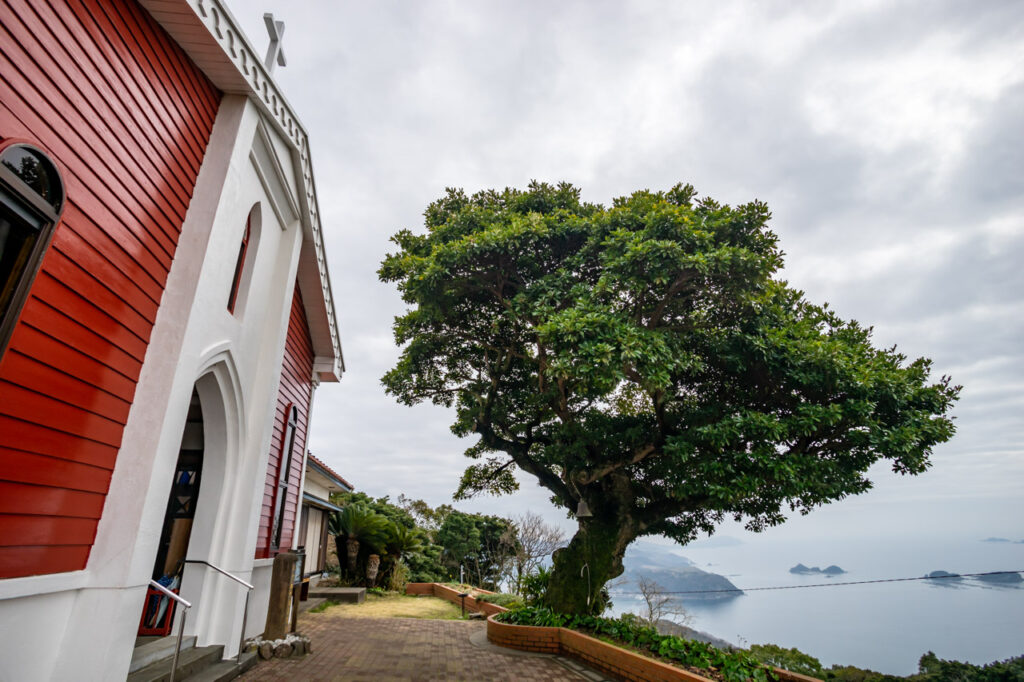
(127, 117)
(296, 389)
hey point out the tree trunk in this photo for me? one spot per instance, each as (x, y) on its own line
(372, 566)
(593, 557)
(352, 548)
(339, 550)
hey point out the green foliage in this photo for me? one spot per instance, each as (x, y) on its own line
(398, 577)
(425, 566)
(360, 522)
(402, 541)
(322, 606)
(509, 601)
(484, 545)
(379, 591)
(644, 358)
(793, 660)
(535, 586)
(426, 517)
(734, 666)
(931, 668)
(380, 505)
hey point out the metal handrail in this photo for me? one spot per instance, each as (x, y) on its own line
(221, 571)
(181, 624)
(245, 609)
(176, 597)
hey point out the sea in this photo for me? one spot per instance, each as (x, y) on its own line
(883, 626)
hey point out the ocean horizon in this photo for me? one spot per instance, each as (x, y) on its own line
(885, 627)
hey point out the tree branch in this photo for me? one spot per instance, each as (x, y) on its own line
(588, 477)
(673, 289)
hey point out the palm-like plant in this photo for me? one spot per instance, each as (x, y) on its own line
(358, 524)
(402, 540)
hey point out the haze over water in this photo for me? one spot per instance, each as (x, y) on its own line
(884, 627)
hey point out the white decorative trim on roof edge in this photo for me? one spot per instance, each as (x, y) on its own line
(253, 80)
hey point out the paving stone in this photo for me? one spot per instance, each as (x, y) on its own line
(405, 649)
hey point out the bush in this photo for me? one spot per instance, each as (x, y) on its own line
(934, 668)
(509, 601)
(931, 668)
(793, 660)
(733, 666)
(399, 577)
(535, 586)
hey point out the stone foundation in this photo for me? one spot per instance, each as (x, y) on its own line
(289, 646)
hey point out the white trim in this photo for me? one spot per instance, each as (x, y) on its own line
(237, 68)
(272, 177)
(12, 588)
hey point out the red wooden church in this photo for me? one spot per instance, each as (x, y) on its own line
(165, 317)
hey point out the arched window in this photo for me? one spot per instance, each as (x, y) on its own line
(284, 469)
(237, 279)
(31, 200)
(246, 261)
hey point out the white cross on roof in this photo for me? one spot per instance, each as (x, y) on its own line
(275, 53)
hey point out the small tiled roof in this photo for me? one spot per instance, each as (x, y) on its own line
(329, 471)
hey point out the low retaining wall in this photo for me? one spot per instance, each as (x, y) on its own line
(451, 594)
(608, 658)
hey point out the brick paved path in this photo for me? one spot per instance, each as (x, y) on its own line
(379, 649)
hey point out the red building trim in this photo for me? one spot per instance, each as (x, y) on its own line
(296, 389)
(126, 115)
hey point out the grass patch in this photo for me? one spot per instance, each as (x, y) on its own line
(394, 606)
(322, 606)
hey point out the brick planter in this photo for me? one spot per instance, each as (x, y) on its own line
(451, 594)
(607, 658)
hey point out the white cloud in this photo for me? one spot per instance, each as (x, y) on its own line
(885, 136)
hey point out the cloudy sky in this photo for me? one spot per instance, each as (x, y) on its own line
(887, 137)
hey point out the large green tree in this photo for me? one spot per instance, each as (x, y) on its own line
(643, 358)
(484, 545)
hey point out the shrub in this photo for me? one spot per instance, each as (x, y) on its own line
(509, 601)
(535, 586)
(399, 577)
(733, 666)
(793, 660)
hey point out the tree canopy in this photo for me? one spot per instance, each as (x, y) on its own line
(644, 358)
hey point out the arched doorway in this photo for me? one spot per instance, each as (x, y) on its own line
(168, 568)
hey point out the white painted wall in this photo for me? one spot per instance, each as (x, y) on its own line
(81, 626)
(315, 485)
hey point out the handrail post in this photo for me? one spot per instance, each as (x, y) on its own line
(177, 645)
(248, 590)
(241, 637)
(181, 628)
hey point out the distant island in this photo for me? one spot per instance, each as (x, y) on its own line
(996, 540)
(1002, 578)
(675, 574)
(945, 577)
(800, 569)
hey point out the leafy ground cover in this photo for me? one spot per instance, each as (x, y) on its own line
(628, 632)
(509, 601)
(391, 605)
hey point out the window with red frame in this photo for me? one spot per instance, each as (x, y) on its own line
(236, 281)
(284, 473)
